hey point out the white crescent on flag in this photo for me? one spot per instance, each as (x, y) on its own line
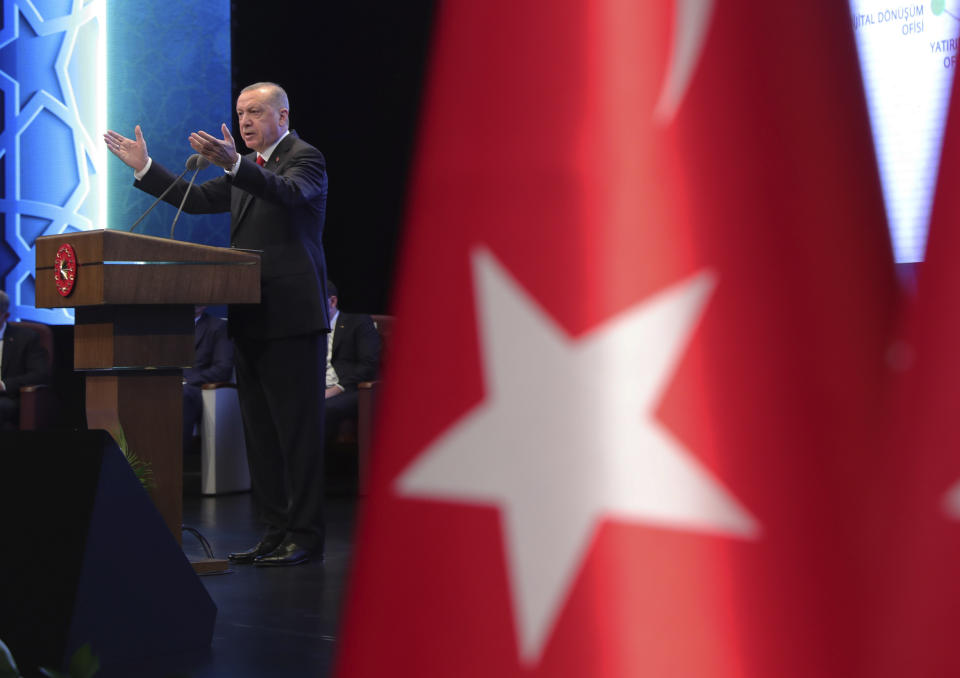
(691, 22)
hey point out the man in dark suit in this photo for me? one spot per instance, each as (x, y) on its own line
(353, 355)
(23, 361)
(212, 362)
(276, 197)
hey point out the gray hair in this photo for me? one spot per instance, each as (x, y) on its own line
(4, 302)
(277, 96)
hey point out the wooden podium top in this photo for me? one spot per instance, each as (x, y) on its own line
(115, 267)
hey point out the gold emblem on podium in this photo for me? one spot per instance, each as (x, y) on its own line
(65, 269)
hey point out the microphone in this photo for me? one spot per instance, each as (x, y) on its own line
(195, 162)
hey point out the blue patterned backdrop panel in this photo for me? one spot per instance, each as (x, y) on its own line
(167, 67)
(51, 158)
(169, 70)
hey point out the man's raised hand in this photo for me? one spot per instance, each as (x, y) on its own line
(133, 152)
(221, 152)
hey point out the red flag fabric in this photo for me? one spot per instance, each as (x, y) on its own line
(919, 499)
(642, 312)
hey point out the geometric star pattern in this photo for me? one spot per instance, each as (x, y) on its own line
(53, 172)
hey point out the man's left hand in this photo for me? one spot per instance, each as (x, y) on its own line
(220, 152)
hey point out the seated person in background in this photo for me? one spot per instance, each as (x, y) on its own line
(23, 361)
(353, 355)
(212, 362)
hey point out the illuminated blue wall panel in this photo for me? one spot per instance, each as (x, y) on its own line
(51, 157)
(163, 65)
(169, 72)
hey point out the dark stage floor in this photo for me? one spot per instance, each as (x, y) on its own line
(270, 621)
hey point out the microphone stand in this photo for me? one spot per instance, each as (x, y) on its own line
(157, 201)
(183, 202)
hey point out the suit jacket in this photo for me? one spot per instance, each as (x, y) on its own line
(280, 210)
(24, 360)
(213, 352)
(356, 349)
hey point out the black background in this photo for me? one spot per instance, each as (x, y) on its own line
(354, 73)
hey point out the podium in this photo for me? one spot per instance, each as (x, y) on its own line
(134, 333)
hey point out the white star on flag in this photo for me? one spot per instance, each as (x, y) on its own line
(566, 438)
(951, 501)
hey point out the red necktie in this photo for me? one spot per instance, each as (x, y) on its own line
(260, 160)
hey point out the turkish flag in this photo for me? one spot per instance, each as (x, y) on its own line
(642, 308)
(919, 495)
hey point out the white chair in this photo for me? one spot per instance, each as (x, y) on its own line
(223, 452)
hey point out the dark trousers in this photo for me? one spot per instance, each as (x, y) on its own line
(280, 384)
(339, 408)
(192, 412)
(9, 413)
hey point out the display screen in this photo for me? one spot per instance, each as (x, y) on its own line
(908, 55)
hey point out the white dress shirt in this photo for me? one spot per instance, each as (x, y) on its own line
(3, 331)
(332, 378)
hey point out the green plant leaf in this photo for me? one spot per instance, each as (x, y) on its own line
(83, 663)
(8, 667)
(142, 469)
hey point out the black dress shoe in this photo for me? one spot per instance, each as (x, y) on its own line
(264, 546)
(288, 553)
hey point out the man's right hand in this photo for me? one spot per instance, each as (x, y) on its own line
(133, 152)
